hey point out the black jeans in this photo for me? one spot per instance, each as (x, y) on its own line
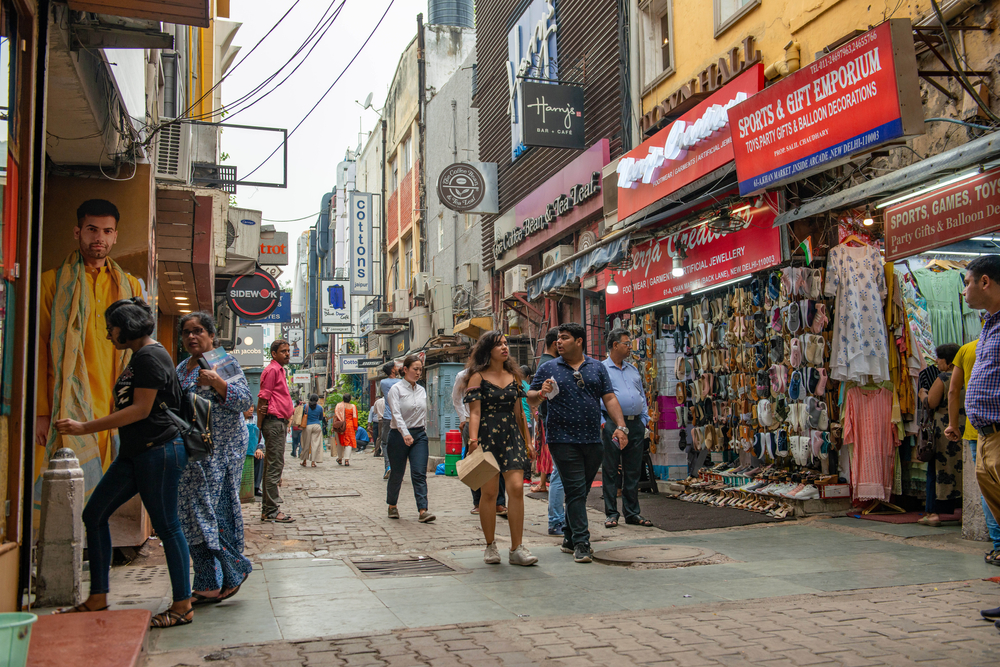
(416, 454)
(478, 493)
(578, 466)
(630, 459)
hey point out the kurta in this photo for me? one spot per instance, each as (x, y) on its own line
(349, 413)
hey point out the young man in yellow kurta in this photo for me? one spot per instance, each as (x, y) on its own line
(75, 357)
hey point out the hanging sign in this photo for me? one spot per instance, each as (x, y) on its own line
(301, 377)
(531, 53)
(350, 364)
(296, 345)
(968, 208)
(712, 258)
(253, 296)
(849, 101)
(694, 145)
(280, 315)
(552, 115)
(273, 250)
(336, 316)
(469, 187)
(248, 347)
(361, 255)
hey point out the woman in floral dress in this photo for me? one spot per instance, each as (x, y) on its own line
(209, 493)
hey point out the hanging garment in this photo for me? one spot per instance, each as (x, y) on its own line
(859, 350)
(868, 426)
(952, 321)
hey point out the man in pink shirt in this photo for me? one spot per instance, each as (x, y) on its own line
(274, 409)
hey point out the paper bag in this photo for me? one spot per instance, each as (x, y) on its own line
(477, 468)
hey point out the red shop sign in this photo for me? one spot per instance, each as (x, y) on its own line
(859, 96)
(954, 213)
(712, 259)
(696, 144)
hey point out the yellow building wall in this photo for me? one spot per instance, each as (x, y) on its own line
(813, 23)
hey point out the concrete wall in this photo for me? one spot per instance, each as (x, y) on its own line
(447, 49)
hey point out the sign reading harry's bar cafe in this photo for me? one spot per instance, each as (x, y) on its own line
(553, 115)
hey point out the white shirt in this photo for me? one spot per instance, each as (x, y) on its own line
(375, 414)
(458, 393)
(408, 405)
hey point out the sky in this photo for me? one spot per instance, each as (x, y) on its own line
(322, 141)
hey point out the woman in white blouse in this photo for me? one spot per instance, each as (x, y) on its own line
(407, 403)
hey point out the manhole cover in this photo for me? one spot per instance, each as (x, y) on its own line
(332, 494)
(405, 565)
(653, 555)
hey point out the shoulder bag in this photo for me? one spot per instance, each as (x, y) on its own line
(926, 436)
(194, 423)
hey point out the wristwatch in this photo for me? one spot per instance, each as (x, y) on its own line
(623, 429)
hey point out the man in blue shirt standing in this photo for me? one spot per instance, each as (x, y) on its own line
(627, 382)
(574, 386)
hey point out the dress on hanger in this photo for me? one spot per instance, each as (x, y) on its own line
(868, 426)
(858, 348)
(952, 321)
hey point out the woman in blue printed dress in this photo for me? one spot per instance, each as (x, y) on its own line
(209, 494)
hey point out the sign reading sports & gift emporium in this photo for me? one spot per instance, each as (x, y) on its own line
(851, 100)
(694, 145)
(362, 252)
(712, 259)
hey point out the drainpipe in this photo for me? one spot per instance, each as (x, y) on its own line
(421, 109)
(385, 228)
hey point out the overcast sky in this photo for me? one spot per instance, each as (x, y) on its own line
(321, 142)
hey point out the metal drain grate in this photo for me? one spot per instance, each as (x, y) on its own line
(405, 565)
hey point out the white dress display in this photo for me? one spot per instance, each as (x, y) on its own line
(858, 350)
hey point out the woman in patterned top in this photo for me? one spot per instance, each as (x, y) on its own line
(497, 423)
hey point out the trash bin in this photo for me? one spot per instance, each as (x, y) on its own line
(15, 635)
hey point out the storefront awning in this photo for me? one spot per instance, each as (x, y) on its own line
(594, 260)
(474, 328)
(924, 172)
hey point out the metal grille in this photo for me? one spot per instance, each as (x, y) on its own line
(406, 565)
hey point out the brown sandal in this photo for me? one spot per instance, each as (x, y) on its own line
(170, 618)
(78, 609)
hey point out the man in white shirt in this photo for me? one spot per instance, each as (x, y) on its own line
(457, 394)
(374, 423)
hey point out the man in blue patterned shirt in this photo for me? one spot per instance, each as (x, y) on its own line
(982, 393)
(573, 426)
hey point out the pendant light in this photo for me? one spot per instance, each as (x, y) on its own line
(612, 286)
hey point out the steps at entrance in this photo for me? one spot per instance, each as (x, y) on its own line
(106, 638)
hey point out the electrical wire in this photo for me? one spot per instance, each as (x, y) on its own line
(960, 122)
(305, 217)
(961, 72)
(323, 96)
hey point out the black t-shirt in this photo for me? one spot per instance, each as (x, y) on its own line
(150, 368)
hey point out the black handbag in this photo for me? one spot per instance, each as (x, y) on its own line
(926, 437)
(195, 425)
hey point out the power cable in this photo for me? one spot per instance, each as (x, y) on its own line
(305, 217)
(961, 71)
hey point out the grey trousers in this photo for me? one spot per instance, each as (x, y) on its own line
(274, 463)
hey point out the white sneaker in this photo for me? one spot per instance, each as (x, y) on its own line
(519, 556)
(492, 555)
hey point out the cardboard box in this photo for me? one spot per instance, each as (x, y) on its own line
(835, 491)
(477, 468)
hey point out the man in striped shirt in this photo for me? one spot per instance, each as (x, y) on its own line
(982, 393)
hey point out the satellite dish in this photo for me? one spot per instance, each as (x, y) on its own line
(368, 101)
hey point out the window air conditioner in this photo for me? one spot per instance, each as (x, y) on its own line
(173, 152)
(516, 280)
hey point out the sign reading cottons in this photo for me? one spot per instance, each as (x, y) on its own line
(712, 258)
(947, 215)
(531, 52)
(360, 234)
(694, 145)
(860, 96)
(253, 296)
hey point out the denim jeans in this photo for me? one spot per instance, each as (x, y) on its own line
(296, 441)
(154, 475)
(416, 454)
(992, 527)
(630, 459)
(578, 466)
(383, 439)
(557, 501)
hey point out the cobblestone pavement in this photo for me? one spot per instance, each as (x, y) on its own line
(910, 625)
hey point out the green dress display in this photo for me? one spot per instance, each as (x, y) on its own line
(952, 321)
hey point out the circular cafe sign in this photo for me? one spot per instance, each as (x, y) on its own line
(253, 296)
(461, 187)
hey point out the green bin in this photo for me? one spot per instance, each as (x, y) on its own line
(247, 481)
(449, 464)
(15, 635)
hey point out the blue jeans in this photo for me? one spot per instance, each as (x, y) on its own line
(296, 441)
(154, 475)
(416, 454)
(991, 523)
(578, 466)
(557, 501)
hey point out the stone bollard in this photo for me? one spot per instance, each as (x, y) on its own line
(60, 536)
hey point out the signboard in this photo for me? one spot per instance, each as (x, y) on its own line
(335, 297)
(544, 216)
(532, 53)
(350, 364)
(694, 145)
(249, 347)
(552, 115)
(296, 341)
(281, 314)
(855, 98)
(367, 321)
(361, 249)
(712, 259)
(469, 187)
(273, 249)
(954, 213)
(253, 296)
(301, 378)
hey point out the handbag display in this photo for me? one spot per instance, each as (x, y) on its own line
(195, 425)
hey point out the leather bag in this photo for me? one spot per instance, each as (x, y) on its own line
(195, 425)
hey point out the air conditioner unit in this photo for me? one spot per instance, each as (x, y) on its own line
(378, 343)
(422, 284)
(516, 280)
(383, 317)
(401, 303)
(556, 255)
(442, 312)
(173, 152)
(420, 327)
(471, 272)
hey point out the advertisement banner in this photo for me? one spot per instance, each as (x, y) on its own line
(280, 315)
(469, 187)
(694, 145)
(712, 259)
(855, 98)
(552, 115)
(297, 345)
(361, 251)
(954, 213)
(248, 348)
(273, 249)
(301, 378)
(531, 53)
(351, 364)
(336, 316)
(253, 296)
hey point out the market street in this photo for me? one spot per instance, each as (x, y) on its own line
(813, 591)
